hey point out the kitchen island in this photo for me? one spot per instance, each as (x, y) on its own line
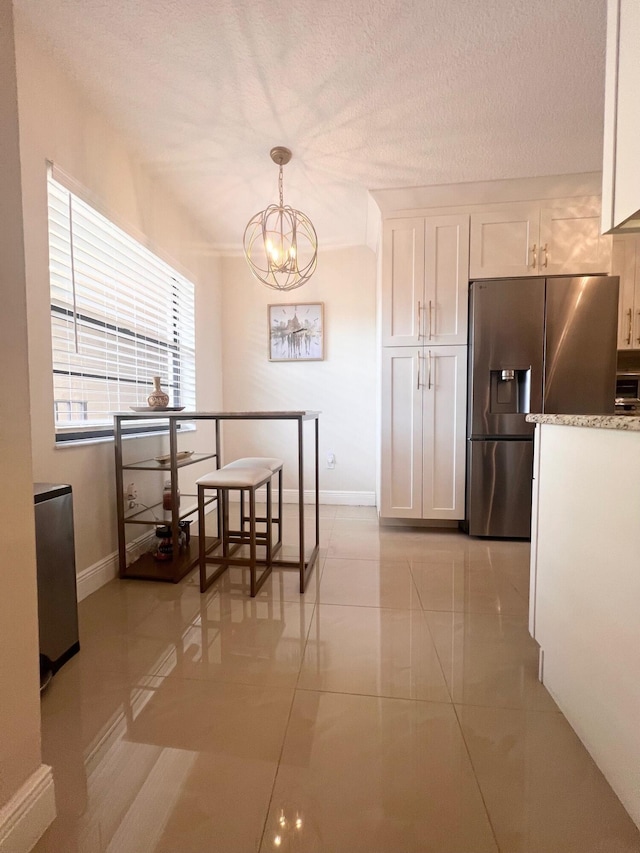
(585, 584)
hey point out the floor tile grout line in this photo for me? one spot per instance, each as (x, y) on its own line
(437, 654)
(475, 776)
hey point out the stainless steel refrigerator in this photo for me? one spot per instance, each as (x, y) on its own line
(535, 345)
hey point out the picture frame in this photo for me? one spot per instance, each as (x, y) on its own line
(296, 331)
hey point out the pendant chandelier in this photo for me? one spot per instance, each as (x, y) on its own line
(280, 243)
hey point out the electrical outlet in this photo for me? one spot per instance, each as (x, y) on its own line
(131, 496)
(331, 460)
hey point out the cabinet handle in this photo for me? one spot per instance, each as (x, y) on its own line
(419, 319)
(429, 373)
(430, 318)
(638, 321)
(535, 255)
(546, 256)
(629, 332)
(418, 385)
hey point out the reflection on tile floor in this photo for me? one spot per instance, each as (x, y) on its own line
(392, 708)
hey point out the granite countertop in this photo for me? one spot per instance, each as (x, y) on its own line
(628, 423)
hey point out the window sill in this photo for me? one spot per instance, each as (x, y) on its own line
(106, 439)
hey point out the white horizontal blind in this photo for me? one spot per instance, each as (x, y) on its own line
(119, 316)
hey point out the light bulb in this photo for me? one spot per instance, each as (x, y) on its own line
(277, 841)
(298, 823)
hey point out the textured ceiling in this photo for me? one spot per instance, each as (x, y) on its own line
(367, 93)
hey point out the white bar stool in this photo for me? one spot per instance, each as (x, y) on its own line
(275, 466)
(223, 480)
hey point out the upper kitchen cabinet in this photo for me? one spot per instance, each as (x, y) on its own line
(425, 263)
(538, 239)
(504, 243)
(621, 163)
(625, 262)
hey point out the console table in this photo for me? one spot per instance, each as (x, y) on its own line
(148, 568)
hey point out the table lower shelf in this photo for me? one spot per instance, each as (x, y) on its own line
(148, 568)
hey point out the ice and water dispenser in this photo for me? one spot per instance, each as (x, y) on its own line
(510, 391)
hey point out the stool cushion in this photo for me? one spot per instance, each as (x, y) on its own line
(270, 462)
(235, 478)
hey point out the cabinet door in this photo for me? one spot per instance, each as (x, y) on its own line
(571, 243)
(444, 433)
(623, 264)
(446, 279)
(402, 282)
(621, 164)
(504, 244)
(401, 481)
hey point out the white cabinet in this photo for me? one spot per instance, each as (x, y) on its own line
(425, 279)
(621, 163)
(423, 432)
(538, 239)
(625, 263)
(587, 589)
(504, 243)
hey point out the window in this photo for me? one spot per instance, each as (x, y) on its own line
(119, 316)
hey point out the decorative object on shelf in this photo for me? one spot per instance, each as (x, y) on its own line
(180, 455)
(164, 547)
(155, 408)
(157, 399)
(296, 332)
(278, 238)
(167, 503)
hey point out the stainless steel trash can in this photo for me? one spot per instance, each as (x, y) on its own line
(56, 573)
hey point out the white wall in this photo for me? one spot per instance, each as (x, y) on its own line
(59, 124)
(19, 677)
(342, 387)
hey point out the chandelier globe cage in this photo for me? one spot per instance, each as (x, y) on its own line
(280, 242)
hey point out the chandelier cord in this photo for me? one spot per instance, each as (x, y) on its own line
(280, 187)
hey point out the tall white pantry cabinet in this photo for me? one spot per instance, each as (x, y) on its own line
(425, 274)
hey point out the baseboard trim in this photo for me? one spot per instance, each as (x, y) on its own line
(27, 815)
(93, 577)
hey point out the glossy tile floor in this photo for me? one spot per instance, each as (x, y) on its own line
(393, 708)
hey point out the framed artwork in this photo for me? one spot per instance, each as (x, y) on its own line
(296, 332)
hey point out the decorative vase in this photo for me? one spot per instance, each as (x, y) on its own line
(157, 399)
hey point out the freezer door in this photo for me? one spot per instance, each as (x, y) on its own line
(499, 488)
(580, 345)
(506, 337)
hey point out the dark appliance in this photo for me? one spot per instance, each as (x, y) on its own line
(535, 345)
(56, 576)
(627, 400)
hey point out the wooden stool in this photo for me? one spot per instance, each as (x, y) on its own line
(224, 480)
(275, 466)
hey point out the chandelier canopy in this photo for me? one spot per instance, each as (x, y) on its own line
(280, 243)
